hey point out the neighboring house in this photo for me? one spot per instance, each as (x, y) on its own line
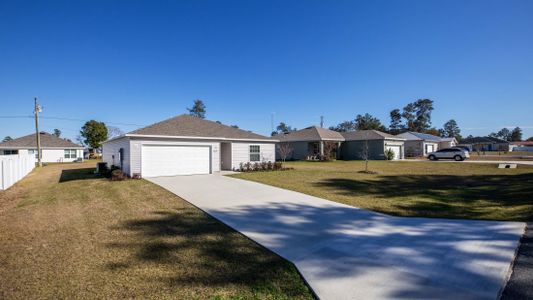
(419, 144)
(308, 143)
(53, 149)
(485, 143)
(447, 142)
(521, 146)
(376, 141)
(186, 145)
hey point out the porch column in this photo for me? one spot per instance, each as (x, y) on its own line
(321, 148)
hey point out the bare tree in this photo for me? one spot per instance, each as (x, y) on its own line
(284, 150)
(364, 155)
(114, 132)
(329, 151)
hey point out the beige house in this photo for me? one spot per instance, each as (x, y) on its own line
(308, 143)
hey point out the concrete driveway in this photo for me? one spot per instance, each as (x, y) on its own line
(348, 253)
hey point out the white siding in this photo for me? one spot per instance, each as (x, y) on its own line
(435, 147)
(110, 154)
(136, 146)
(240, 152)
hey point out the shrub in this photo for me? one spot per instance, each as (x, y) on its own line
(248, 167)
(389, 154)
(264, 166)
(278, 166)
(117, 175)
(270, 166)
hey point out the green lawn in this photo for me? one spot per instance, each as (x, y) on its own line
(410, 188)
(67, 234)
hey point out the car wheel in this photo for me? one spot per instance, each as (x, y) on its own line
(458, 158)
(432, 157)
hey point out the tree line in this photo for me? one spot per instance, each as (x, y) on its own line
(415, 116)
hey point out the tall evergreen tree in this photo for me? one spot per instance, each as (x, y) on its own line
(344, 126)
(516, 135)
(57, 132)
(451, 129)
(198, 109)
(368, 122)
(395, 126)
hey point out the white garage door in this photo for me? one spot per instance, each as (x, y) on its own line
(396, 150)
(175, 160)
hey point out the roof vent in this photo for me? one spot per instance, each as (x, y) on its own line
(42, 132)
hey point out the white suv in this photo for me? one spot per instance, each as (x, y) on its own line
(449, 153)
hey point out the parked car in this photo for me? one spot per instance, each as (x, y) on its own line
(449, 153)
(462, 148)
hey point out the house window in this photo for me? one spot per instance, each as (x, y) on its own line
(11, 152)
(70, 153)
(255, 153)
(33, 151)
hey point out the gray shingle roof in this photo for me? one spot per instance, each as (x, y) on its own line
(419, 136)
(47, 141)
(368, 135)
(313, 133)
(185, 125)
(483, 140)
(426, 137)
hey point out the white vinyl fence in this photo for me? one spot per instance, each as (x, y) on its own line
(14, 167)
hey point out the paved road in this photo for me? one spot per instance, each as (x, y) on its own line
(348, 253)
(520, 284)
(519, 162)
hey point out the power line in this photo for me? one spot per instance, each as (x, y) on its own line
(69, 119)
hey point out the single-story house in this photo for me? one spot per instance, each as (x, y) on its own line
(485, 143)
(53, 148)
(186, 145)
(521, 146)
(447, 142)
(419, 144)
(309, 143)
(375, 142)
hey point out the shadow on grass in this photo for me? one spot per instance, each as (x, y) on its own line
(78, 174)
(449, 195)
(201, 251)
(354, 243)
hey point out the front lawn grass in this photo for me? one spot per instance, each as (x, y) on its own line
(65, 233)
(417, 189)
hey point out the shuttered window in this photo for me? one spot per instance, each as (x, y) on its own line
(255, 153)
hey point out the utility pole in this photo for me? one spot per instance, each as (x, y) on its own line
(272, 122)
(37, 134)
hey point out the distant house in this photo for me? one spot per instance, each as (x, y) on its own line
(447, 142)
(53, 149)
(485, 143)
(521, 146)
(309, 142)
(378, 142)
(419, 144)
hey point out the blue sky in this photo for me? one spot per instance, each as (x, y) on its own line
(138, 62)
